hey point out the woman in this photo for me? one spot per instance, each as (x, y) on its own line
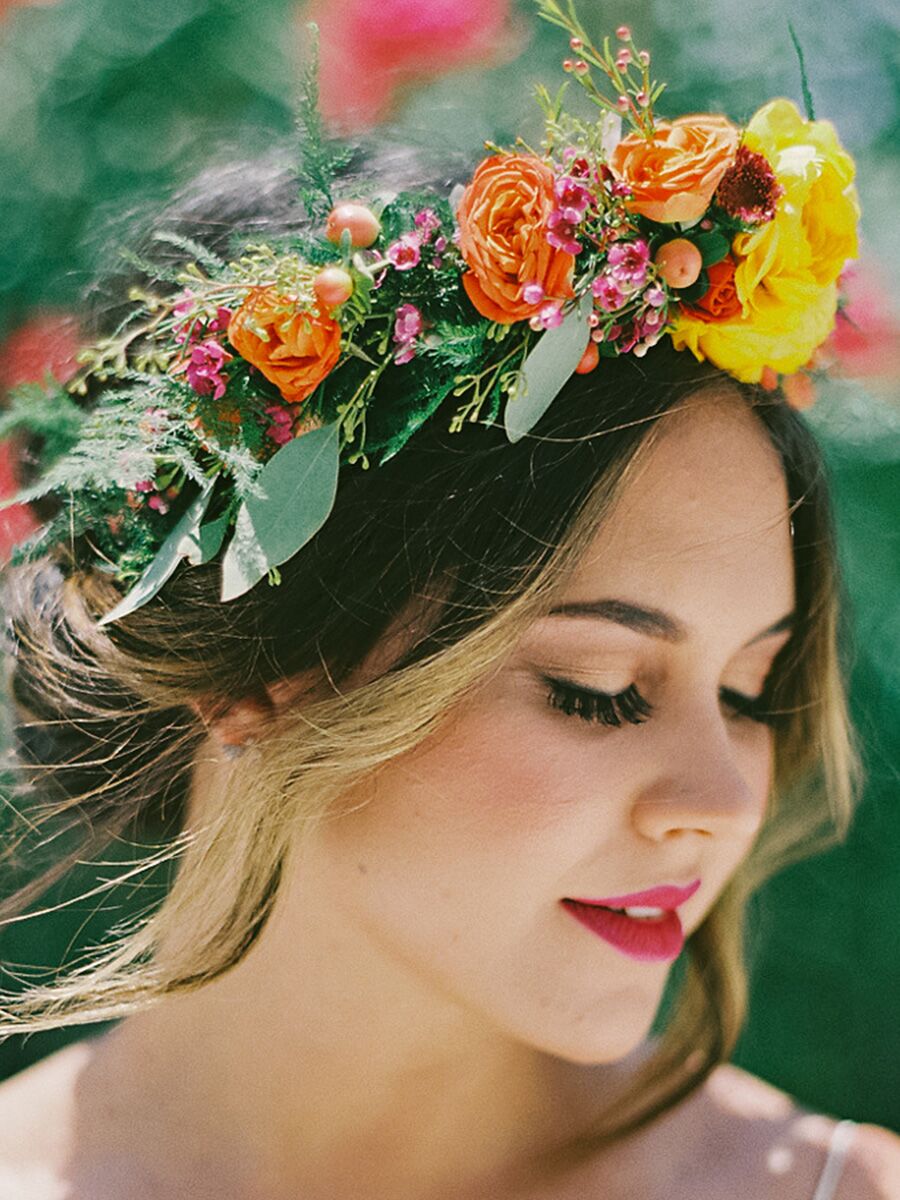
(522, 713)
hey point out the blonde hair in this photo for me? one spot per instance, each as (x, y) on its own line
(229, 865)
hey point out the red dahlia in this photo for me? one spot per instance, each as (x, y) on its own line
(749, 189)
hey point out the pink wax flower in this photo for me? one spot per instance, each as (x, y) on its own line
(532, 293)
(406, 252)
(548, 317)
(282, 428)
(427, 222)
(561, 233)
(397, 42)
(607, 293)
(156, 501)
(220, 320)
(204, 369)
(655, 296)
(573, 197)
(629, 262)
(408, 324)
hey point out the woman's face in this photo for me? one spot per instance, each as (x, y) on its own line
(459, 861)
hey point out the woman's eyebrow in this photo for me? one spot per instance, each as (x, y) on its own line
(651, 621)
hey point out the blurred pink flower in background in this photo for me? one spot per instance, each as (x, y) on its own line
(866, 338)
(369, 50)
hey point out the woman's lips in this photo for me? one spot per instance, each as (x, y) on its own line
(646, 938)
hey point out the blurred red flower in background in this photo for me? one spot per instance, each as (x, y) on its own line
(368, 51)
(47, 344)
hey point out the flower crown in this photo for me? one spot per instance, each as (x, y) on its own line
(244, 385)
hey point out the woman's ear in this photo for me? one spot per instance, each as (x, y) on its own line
(239, 723)
(234, 725)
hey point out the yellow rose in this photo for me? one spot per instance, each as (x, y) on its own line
(779, 336)
(817, 174)
(786, 271)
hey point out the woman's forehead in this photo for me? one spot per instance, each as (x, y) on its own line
(701, 522)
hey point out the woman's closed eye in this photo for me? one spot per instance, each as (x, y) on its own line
(629, 706)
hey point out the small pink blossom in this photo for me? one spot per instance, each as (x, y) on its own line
(427, 222)
(549, 317)
(195, 328)
(408, 324)
(561, 233)
(532, 293)
(440, 245)
(281, 430)
(204, 369)
(607, 293)
(144, 485)
(156, 501)
(573, 197)
(655, 296)
(629, 262)
(651, 320)
(406, 252)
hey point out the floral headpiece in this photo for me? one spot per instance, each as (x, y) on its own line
(243, 386)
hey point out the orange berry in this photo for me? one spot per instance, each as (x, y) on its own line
(333, 285)
(589, 359)
(362, 223)
(679, 262)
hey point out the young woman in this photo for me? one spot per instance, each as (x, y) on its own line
(529, 712)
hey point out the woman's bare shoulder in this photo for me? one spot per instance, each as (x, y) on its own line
(37, 1125)
(756, 1131)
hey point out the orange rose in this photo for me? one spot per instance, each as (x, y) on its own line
(502, 221)
(303, 347)
(673, 174)
(721, 302)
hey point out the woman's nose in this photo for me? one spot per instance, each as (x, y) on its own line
(703, 785)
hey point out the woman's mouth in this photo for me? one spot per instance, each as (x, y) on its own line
(643, 925)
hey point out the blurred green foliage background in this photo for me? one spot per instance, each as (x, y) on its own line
(105, 105)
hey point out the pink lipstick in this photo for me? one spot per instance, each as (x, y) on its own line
(643, 925)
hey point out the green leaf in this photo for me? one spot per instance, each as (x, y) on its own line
(296, 490)
(207, 541)
(697, 290)
(549, 365)
(713, 246)
(178, 545)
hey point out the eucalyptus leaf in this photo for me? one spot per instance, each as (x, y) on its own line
(207, 541)
(177, 546)
(295, 494)
(713, 246)
(546, 369)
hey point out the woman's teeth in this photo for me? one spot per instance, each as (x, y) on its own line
(645, 914)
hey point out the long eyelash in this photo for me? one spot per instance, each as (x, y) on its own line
(755, 708)
(599, 707)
